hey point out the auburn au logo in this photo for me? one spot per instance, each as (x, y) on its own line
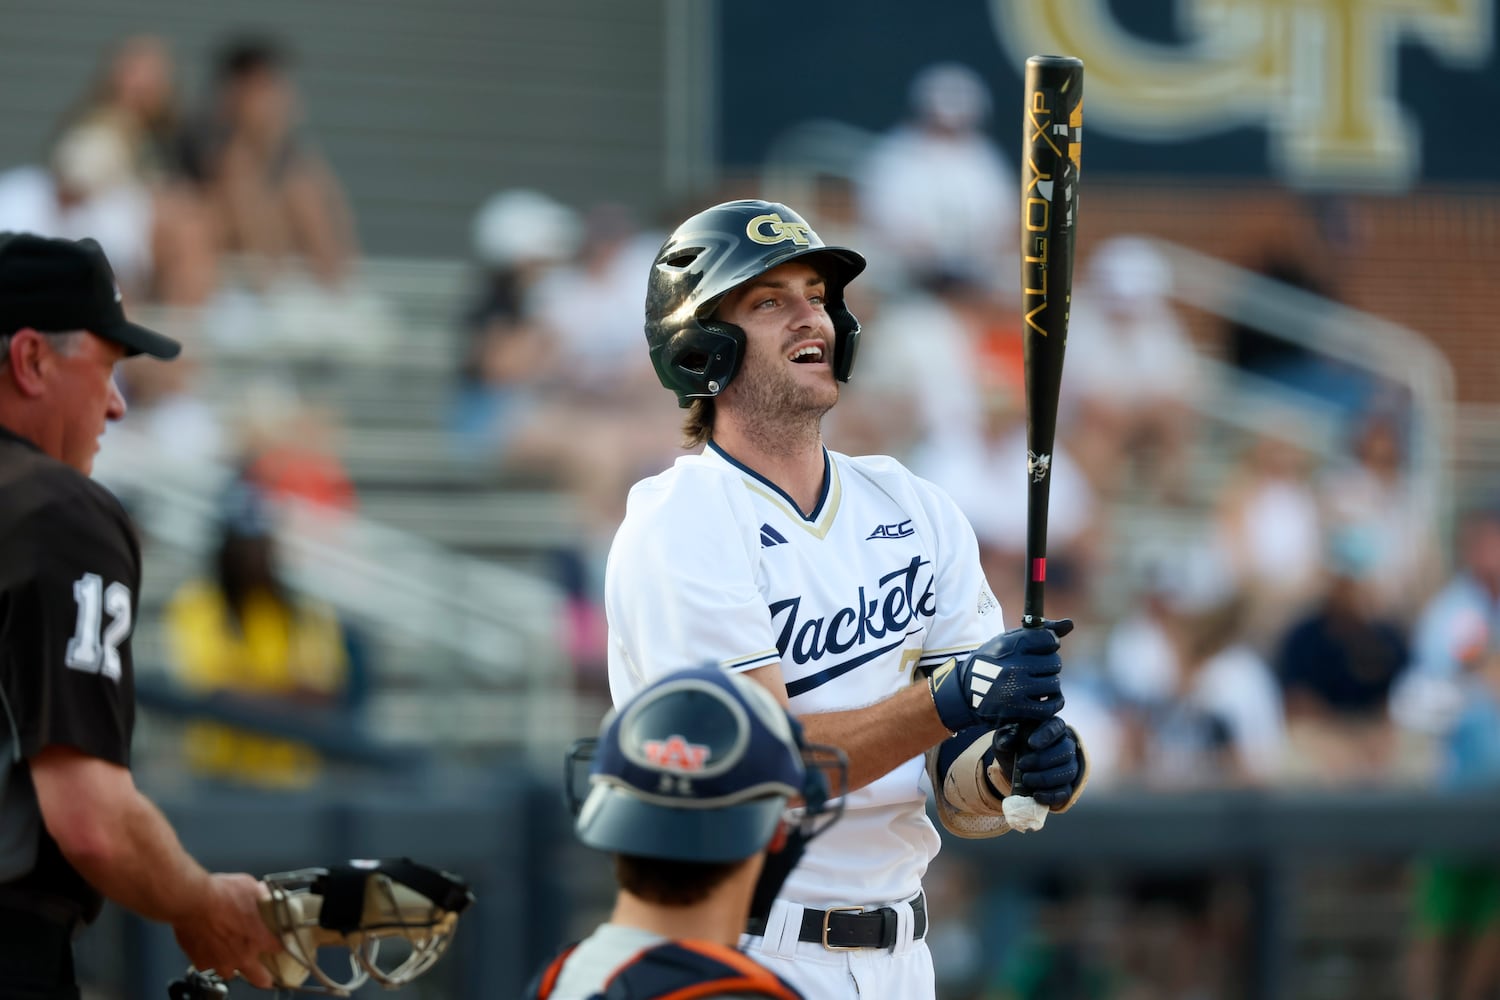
(1319, 75)
(769, 230)
(676, 754)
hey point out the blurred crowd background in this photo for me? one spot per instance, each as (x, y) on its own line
(407, 251)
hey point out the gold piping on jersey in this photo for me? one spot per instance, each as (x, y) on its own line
(818, 528)
(928, 654)
(764, 658)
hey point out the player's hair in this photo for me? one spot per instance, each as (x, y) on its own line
(664, 882)
(698, 425)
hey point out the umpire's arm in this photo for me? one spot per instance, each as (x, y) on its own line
(122, 844)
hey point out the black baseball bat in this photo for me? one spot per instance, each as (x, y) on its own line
(1052, 141)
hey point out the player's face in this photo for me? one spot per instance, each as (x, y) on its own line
(788, 365)
(86, 397)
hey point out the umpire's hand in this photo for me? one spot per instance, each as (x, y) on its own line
(1011, 678)
(224, 931)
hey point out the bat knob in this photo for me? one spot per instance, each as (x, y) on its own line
(1059, 626)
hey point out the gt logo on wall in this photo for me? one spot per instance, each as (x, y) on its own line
(1320, 75)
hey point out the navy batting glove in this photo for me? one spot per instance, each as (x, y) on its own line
(1011, 678)
(1048, 765)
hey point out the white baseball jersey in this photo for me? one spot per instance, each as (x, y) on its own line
(714, 562)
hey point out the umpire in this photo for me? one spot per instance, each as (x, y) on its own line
(73, 827)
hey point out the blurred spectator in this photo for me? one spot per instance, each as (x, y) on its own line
(1213, 714)
(1451, 693)
(1456, 629)
(937, 194)
(556, 356)
(305, 467)
(272, 195)
(1336, 668)
(289, 449)
(1227, 700)
(131, 109)
(132, 96)
(243, 631)
(1271, 529)
(1368, 497)
(1140, 660)
(592, 306)
(542, 403)
(1132, 371)
(85, 190)
(518, 236)
(1456, 949)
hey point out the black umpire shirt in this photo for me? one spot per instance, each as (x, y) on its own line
(70, 573)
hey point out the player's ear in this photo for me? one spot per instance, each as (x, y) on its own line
(779, 838)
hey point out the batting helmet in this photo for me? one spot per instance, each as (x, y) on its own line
(699, 766)
(708, 256)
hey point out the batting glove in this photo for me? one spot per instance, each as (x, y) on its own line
(1046, 765)
(1011, 678)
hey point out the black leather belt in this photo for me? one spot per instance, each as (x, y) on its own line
(846, 928)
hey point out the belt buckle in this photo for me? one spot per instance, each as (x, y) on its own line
(828, 916)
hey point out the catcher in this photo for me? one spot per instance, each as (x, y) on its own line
(691, 783)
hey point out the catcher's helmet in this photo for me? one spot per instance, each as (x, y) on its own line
(711, 254)
(699, 766)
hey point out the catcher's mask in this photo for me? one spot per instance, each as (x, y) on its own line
(703, 766)
(713, 253)
(358, 907)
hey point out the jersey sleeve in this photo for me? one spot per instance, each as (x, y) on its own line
(71, 598)
(967, 611)
(681, 584)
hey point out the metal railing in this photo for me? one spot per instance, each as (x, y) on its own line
(1392, 352)
(471, 626)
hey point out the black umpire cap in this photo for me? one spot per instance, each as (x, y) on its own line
(56, 286)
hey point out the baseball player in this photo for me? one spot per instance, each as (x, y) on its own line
(847, 587)
(691, 781)
(74, 829)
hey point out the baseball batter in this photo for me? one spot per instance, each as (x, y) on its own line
(848, 587)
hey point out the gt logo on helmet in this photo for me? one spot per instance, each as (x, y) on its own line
(768, 230)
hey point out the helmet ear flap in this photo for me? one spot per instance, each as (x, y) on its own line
(845, 341)
(700, 358)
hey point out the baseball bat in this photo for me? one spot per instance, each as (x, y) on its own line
(1052, 140)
